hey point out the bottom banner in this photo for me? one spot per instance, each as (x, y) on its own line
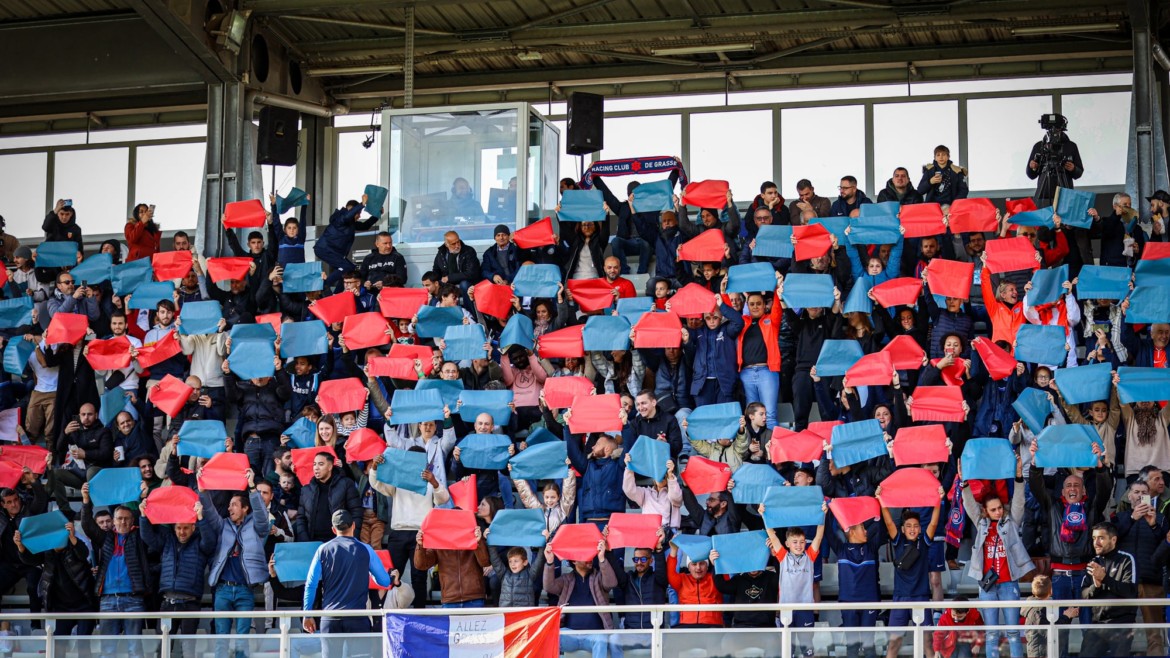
(531, 633)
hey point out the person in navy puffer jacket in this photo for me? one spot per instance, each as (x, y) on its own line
(185, 551)
(336, 242)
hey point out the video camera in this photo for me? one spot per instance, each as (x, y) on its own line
(1052, 157)
(1052, 122)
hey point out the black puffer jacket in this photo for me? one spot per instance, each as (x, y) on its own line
(56, 231)
(66, 583)
(261, 407)
(339, 493)
(467, 267)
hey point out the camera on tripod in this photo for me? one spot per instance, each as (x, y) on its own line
(1051, 156)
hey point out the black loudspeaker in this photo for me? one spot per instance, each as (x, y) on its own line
(585, 125)
(277, 144)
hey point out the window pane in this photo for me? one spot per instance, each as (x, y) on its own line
(1000, 135)
(286, 179)
(568, 164)
(634, 137)
(169, 177)
(23, 202)
(357, 166)
(1099, 124)
(140, 134)
(97, 181)
(822, 144)
(732, 146)
(905, 134)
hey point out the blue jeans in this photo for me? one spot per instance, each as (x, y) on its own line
(235, 598)
(112, 628)
(762, 385)
(474, 603)
(598, 645)
(1068, 587)
(1009, 591)
(622, 247)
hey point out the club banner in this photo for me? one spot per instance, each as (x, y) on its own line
(533, 633)
(634, 166)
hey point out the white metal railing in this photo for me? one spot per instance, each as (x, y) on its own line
(915, 637)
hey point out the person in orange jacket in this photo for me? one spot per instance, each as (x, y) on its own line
(697, 586)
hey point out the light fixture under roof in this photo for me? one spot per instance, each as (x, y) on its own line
(339, 71)
(703, 50)
(528, 56)
(1065, 29)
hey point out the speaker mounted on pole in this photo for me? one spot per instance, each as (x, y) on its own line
(585, 125)
(278, 140)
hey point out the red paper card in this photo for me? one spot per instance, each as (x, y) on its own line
(951, 375)
(921, 444)
(658, 330)
(562, 343)
(596, 413)
(364, 330)
(464, 494)
(1010, 255)
(244, 214)
(363, 445)
(402, 303)
(972, 216)
(539, 234)
(169, 395)
(999, 364)
(493, 299)
(412, 352)
(171, 504)
(111, 354)
(1019, 205)
(852, 511)
(576, 541)
(302, 459)
(66, 328)
(706, 194)
(225, 472)
(31, 457)
(812, 241)
(633, 530)
(950, 278)
(910, 487)
(706, 246)
(921, 220)
(1156, 251)
(3, 274)
(591, 294)
(272, 319)
(875, 369)
(450, 530)
(789, 446)
(392, 366)
(387, 563)
(903, 291)
(559, 392)
(934, 404)
(231, 268)
(334, 308)
(10, 474)
(340, 395)
(704, 476)
(169, 265)
(692, 301)
(165, 348)
(905, 353)
(824, 428)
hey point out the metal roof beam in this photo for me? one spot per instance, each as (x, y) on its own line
(191, 47)
(315, 6)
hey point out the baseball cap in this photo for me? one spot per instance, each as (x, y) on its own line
(342, 520)
(1160, 195)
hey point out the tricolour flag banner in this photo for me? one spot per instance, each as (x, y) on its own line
(531, 633)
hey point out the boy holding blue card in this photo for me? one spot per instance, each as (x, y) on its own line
(797, 571)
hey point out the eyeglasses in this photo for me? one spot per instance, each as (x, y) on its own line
(67, 282)
(639, 560)
(845, 188)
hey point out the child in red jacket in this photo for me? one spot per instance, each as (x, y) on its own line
(958, 643)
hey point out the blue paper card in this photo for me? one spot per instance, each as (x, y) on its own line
(302, 433)
(296, 198)
(1073, 207)
(752, 481)
(1039, 217)
(988, 459)
(113, 402)
(98, 268)
(484, 451)
(835, 225)
(15, 312)
(789, 507)
(695, 547)
(57, 253)
(539, 436)
(648, 457)
(518, 331)
(751, 277)
(633, 308)
(544, 461)
(654, 196)
(416, 406)
(303, 339)
(1148, 305)
(883, 209)
(517, 527)
(464, 342)
(582, 206)
(200, 318)
(1041, 344)
(1152, 273)
(148, 294)
(837, 356)
(302, 277)
(774, 241)
(741, 552)
(252, 331)
(712, 422)
(1067, 446)
(44, 532)
(858, 300)
(808, 290)
(1143, 384)
(434, 320)
(606, 333)
(293, 559)
(1103, 282)
(128, 276)
(202, 438)
(853, 443)
(1047, 286)
(1085, 383)
(403, 469)
(114, 486)
(877, 229)
(449, 390)
(534, 280)
(375, 200)
(1033, 408)
(494, 403)
(16, 355)
(252, 359)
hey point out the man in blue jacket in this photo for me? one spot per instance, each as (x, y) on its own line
(599, 462)
(850, 199)
(239, 566)
(335, 243)
(712, 349)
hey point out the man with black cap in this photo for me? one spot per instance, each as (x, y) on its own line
(342, 566)
(501, 260)
(1159, 211)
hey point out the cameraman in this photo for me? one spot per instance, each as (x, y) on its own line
(1055, 160)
